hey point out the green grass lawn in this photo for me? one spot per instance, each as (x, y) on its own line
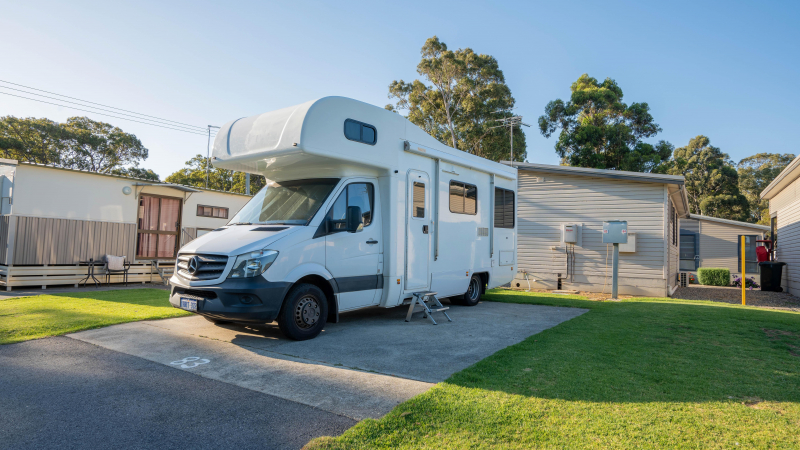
(27, 318)
(641, 373)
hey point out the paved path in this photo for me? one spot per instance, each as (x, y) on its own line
(64, 393)
(361, 367)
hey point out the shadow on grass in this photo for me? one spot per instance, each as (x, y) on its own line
(648, 350)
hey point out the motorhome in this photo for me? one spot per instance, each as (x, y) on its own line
(362, 208)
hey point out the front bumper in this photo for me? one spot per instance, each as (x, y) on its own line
(253, 300)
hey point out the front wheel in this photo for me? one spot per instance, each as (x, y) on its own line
(473, 294)
(304, 312)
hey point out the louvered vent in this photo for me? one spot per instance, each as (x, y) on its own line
(483, 231)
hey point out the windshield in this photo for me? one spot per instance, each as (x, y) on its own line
(288, 203)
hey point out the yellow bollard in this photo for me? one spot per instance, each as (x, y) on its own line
(744, 283)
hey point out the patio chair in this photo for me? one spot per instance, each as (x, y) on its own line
(115, 265)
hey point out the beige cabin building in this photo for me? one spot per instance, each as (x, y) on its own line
(54, 219)
(784, 212)
(712, 242)
(551, 197)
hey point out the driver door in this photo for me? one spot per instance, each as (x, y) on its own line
(354, 258)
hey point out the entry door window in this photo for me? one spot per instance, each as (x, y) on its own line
(158, 227)
(751, 260)
(688, 251)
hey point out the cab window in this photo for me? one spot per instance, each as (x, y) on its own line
(355, 194)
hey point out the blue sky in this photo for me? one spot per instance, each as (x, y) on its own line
(728, 70)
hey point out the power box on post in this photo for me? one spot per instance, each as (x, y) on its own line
(615, 232)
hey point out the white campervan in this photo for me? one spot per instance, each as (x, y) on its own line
(362, 208)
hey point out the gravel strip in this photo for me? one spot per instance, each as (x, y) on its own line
(733, 295)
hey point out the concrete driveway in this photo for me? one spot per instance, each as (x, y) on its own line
(358, 368)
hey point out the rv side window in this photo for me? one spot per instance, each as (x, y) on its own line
(360, 132)
(355, 194)
(419, 200)
(463, 198)
(503, 208)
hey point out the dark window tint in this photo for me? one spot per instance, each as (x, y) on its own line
(463, 198)
(419, 200)
(503, 208)
(360, 132)
(352, 130)
(356, 194)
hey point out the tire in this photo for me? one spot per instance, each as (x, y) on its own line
(216, 321)
(304, 312)
(473, 294)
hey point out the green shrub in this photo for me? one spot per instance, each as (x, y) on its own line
(714, 276)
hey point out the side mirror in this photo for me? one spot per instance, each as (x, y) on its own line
(354, 222)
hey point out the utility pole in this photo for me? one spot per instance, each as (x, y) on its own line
(511, 122)
(208, 153)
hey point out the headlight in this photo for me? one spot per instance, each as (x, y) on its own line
(252, 264)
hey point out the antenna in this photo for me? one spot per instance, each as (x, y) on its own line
(510, 122)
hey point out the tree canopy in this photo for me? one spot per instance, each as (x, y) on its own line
(755, 174)
(599, 131)
(78, 143)
(712, 183)
(457, 101)
(194, 174)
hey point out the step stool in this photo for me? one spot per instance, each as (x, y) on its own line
(422, 299)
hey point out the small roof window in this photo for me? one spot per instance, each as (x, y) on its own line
(360, 132)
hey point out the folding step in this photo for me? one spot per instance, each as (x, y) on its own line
(419, 303)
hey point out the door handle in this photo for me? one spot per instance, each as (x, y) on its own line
(372, 241)
(424, 229)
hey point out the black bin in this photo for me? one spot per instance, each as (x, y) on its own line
(771, 272)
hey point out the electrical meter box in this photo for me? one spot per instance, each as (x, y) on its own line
(570, 233)
(615, 232)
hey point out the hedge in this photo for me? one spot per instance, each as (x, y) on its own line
(714, 276)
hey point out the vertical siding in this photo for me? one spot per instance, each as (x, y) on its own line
(788, 249)
(188, 234)
(41, 240)
(544, 205)
(4, 226)
(719, 244)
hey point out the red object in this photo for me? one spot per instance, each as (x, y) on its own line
(768, 244)
(762, 254)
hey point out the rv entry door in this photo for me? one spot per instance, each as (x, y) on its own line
(418, 230)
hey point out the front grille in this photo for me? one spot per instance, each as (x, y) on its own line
(209, 267)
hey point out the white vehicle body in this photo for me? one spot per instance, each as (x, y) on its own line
(414, 242)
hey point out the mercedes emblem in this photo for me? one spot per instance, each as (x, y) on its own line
(194, 265)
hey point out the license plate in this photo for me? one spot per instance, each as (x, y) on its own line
(188, 304)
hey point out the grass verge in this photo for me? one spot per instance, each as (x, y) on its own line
(36, 317)
(642, 373)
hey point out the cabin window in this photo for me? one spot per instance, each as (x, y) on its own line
(355, 194)
(360, 132)
(503, 208)
(463, 198)
(750, 258)
(419, 200)
(212, 211)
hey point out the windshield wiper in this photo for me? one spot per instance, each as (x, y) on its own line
(240, 223)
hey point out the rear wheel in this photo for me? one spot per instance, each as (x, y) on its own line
(304, 312)
(473, 294)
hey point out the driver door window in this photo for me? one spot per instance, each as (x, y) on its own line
(355, 194)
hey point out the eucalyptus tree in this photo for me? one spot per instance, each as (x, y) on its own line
(458, 100)
(599, 131)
